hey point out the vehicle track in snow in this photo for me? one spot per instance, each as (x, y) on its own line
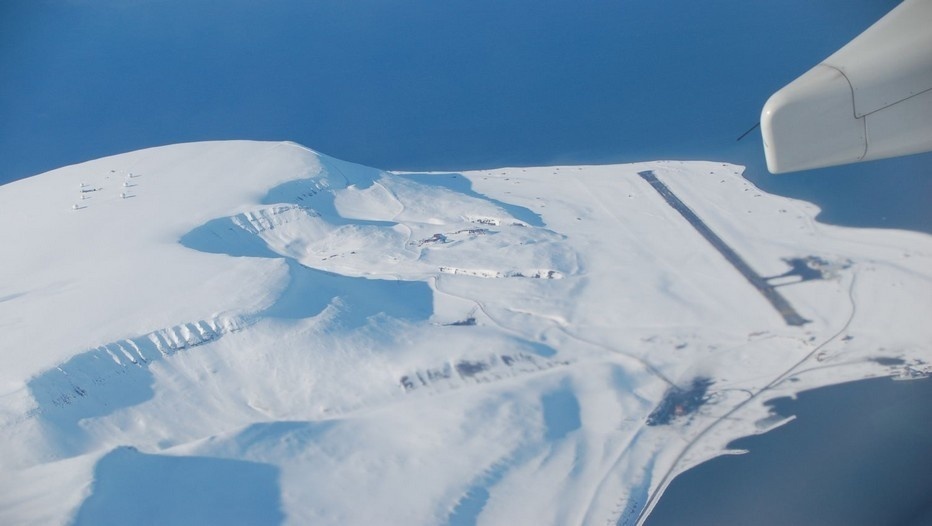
(641, 362)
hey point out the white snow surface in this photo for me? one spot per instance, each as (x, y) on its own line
(257, 333)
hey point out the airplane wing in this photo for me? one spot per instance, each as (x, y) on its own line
(872, 99)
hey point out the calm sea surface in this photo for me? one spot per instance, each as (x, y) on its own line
(436, 85)
(857, 454)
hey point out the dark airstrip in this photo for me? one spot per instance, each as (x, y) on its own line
(767, 290)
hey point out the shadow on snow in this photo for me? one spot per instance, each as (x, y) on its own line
(131, 487)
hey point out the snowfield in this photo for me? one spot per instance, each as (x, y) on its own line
(256, 333)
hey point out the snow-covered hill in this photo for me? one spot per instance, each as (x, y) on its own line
(256, 333)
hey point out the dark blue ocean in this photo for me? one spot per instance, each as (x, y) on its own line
(451, 84)
(426, 84)
(858, 454)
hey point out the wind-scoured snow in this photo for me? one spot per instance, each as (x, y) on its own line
(249, 332)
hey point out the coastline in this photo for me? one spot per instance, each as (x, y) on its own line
(856, 453)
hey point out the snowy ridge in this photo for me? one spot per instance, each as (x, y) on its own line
(495, 367)
(78, 377)
(545, 345)
(493, 274)
(266, 218)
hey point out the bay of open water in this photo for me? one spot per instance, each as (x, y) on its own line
(857, 454)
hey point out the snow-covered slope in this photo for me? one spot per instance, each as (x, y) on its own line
(246, 332)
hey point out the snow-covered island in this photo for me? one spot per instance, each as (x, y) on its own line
(256, 333)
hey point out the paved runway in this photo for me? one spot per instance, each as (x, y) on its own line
(768, 291)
